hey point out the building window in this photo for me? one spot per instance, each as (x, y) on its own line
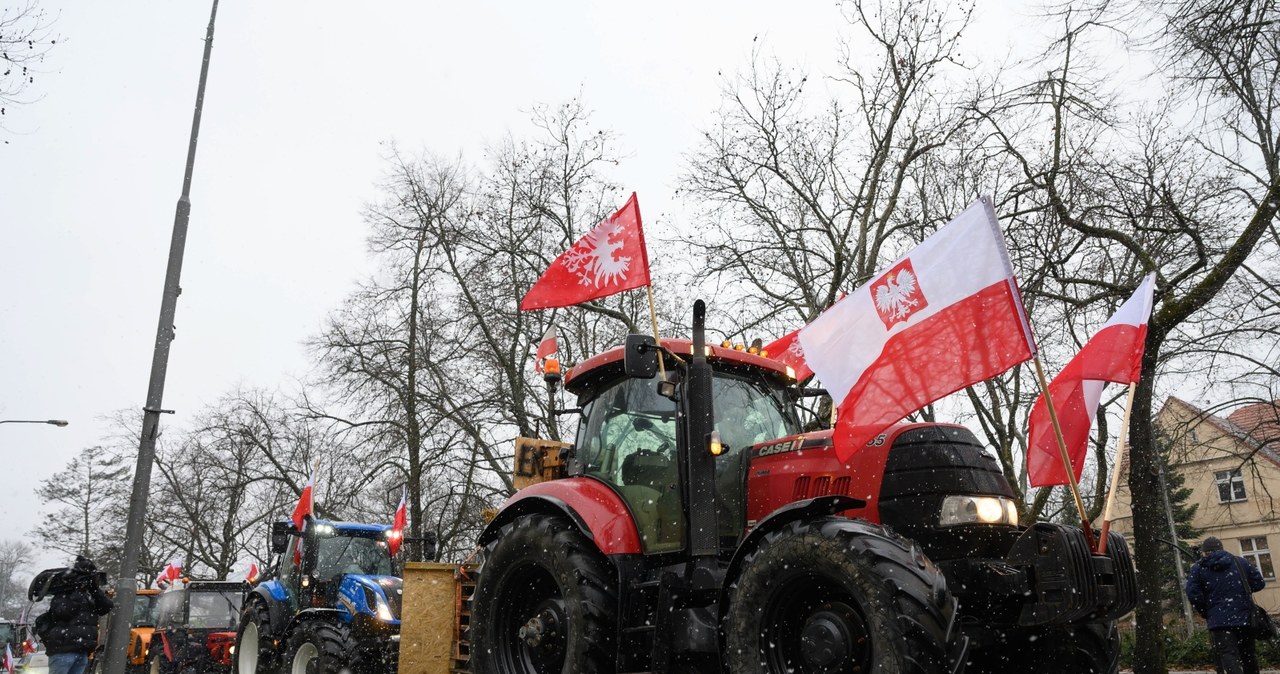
(1230, 486)
(1256, 551)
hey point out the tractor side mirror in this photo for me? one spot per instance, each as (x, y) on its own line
(280, 536)
(641, 357)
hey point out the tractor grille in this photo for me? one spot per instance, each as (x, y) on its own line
(822, 485)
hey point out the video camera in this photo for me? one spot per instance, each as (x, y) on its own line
(64, 580)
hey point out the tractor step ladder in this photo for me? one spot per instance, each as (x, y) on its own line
(464, 590)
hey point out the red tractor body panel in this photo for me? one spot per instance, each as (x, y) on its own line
(805, 466)
(601, 509)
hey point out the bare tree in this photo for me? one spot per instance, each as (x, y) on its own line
(84, 496)
(25, 40)
(14, 556)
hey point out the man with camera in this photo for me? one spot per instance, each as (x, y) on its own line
(70, 628)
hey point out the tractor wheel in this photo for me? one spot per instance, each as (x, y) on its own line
(546, 602)
(1091, 648)
(256, 652)
(317, 647)
(156, 664)
(837, 595)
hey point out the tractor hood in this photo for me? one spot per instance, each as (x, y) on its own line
(375, 596)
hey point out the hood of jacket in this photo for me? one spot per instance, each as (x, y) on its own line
(1219, 560)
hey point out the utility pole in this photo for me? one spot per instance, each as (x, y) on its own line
(118, 639)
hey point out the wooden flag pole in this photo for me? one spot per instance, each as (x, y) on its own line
(1115, 472)
(1062, 448)
(653, 316)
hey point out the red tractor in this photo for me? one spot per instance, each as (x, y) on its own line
(696, 528)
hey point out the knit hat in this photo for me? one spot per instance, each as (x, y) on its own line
(1211, 544)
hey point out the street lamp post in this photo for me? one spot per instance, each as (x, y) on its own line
(52, 422)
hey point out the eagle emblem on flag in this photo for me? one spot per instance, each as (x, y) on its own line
(897, 294)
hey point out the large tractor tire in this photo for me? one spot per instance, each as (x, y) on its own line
(837, 595)
(158, 664)
(545, 603)
(1091, 648)
(317, 647)
(256, 652)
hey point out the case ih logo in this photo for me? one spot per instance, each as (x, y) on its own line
(897, 294)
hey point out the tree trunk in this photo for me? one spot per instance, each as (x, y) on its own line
(1148, 518)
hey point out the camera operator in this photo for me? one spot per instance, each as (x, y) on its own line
(72, 630)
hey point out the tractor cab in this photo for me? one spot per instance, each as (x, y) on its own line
(195, 626)
(628, 435)
(316, 561)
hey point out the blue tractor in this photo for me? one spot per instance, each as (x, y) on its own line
(331, 602)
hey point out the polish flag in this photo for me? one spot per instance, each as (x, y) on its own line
(787, 350)
(9, 664)
(944, 316)
(546, 348)
(305, 504)
(396, 537)
(609, 259)
(1113, 354)
(252, 575)
(171, 572)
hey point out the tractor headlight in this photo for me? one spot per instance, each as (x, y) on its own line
(977, 510)
(378, 605)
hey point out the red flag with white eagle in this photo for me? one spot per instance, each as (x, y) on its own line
(305, 504)
(396, 537)
(609, 259)
(944, 316)
(1113, 354)
(546, 348)
(787, 350)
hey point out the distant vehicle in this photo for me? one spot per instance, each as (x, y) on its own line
(142, 624)
(195, 628)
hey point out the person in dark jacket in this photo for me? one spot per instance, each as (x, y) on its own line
(73, 632)
(1220, 588)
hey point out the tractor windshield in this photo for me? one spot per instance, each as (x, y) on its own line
(350, 553)
(144, 609)
(214, 610)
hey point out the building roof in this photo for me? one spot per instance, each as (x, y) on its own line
(1256, 426)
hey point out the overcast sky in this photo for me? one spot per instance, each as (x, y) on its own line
(301, 96)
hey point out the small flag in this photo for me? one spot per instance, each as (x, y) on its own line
(610, 259)
(171, 572)
(305, 503)
(252, 575)
(546, 348)
(1113, 354)
(396, 536)
(942, 317)
(9, 664)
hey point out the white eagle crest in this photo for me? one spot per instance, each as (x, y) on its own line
(894, 297)
(594, 258)
(795, 352)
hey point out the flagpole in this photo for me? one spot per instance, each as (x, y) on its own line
(653, 316)
(1062, 447)
(1115, 472)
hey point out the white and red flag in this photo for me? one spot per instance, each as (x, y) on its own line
(9, 664)
(609, 259)
(546, 348)
(252, 575)
(398, 523)
(944, 316)
(1113, 354)
(305, 504)
(171, 572)
(787, 350)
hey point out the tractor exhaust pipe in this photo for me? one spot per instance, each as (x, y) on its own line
(704, 536)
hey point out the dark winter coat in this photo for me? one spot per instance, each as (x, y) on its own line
(74, 628)
(1217, 590)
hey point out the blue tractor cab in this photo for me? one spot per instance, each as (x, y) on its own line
(331, 601)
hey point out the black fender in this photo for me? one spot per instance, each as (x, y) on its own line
(319, 613)
(821, 506)
(545, 505)
(275, 608)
